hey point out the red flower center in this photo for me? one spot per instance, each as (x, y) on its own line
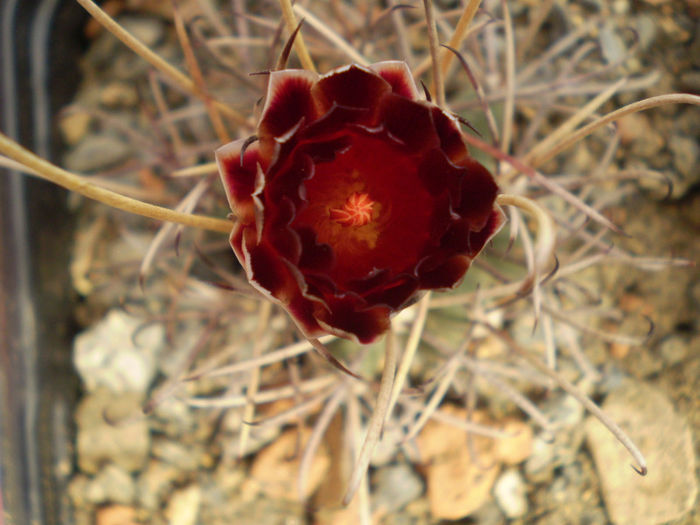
(356, 212)
(388, 228)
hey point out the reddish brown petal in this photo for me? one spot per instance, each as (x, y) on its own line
(268, 272)
(352, 86)
(376, 278)
(288, 101)
(478, 193)
(334, 122)
(451, 141)
(285, 180)
(445, 275)
(439, 175)
(394, 294)
(399, 77)
(456, 238)
(301, 310)
(319, 285)
(277, 231)
(440, 220)
(346, 317)
(239, 181)
(477, 240)
(409, 122)
(315, 257)
(462, 238)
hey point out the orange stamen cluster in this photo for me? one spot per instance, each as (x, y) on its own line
(357, 211)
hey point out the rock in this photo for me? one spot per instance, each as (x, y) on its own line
(539, 466)
(229, 476)
(116, 515)
(458, 480)
(97, 152)
(118, 94)
(674, 349)
(571, 496)
(517, 445)
(111, 485)
(510, 494)
(111, 430)
(487, 514)
(669, 489)
(77, 489)
(174, 418)
(182, 457)
(154, 483)
(275, 469)
(393, 487)
(119, 353)
(74, 125)
(685, 152)
(183, 506)
(611, 43)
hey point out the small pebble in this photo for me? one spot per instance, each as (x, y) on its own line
(611, 44)
(183, 506)
(538, 467)
(275, 469)
(74, 125)
(674, 349)
(685, 159)
(116, 515)
(516, 447)
(395, 486)
(119, 353)
(154, 483)
(118, 94)
(510, 494)
(459, 477)
(111, 430)
(111, 485)
(183, 457)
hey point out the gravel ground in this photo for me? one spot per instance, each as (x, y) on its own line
(178, 464)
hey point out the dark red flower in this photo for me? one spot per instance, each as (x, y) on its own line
(356, 197)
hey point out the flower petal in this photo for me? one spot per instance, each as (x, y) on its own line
(348, 317)
(439, 175)
(477, 195)
(399, 77)
(315, 257)
(288, 101)
(284, 239)
(277, 279)
(477, 240)
(451, 141)
(239, 181)
(447, 274)
(409, 122)
(394, 294)
(352, 86)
